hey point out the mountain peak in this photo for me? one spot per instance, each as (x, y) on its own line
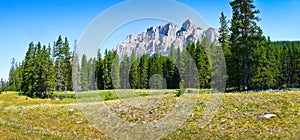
(188, 25)
(163, 37)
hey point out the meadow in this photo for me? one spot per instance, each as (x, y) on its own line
(240, 115)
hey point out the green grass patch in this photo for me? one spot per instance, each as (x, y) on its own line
(14, 99)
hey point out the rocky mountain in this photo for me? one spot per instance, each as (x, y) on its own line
(163, 37)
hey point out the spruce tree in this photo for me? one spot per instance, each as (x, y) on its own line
(144, 71)
(58, 56)
(262, 73)
(39, 85)
(224, 33)
(18, 74)
(99, 71)
(245, 37)
(12, 79)
(107, 63)
(27, 74)
(67, 67)
(124, 72)
(218, 73)
(156, 67)
(172, 70)
(191, 69)
(116, 72)
(2, 85)
(134, 75)
(203, 64)
(63, 68)
(49, 70)
(180, 67)
(84, 77)
(76, 69)
(91, 74)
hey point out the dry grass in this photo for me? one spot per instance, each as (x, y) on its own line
(239, 117)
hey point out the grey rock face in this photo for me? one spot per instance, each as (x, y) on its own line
(161, 38)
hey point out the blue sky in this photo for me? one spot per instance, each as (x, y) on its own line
(24, 21)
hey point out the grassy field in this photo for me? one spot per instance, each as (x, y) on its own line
(240, 116)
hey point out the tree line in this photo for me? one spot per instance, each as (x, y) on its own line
(44, 70)
(253, 62)
(144, 72)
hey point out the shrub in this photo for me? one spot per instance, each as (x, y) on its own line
(181, 89)
(110, 96)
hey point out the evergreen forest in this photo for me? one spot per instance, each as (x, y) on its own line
(253, 62)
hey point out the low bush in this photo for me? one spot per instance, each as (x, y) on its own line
(109, 95)
(181, 89)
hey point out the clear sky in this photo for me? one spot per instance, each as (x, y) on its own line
(24, 21)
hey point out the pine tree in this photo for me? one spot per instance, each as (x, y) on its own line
(58, 56)
(285, 66)
(203, 64)
(224, 44)
(172, 70)
(191, 48)
(295, 66)
(116, 72)
(274, 64)
(262, 73)
(297, 63)
(63, 66)
(107, 63)
(180, 67)
(27, 74)
(134, 75)
(156, 68)
(67, 67)
(84, 77)
(91, 74)
(191, 69)
(218, 73)
(76, 69)
(36, 72)
(124, 72)
(1, 85)
(289, 63)
(224, 31)
(245, 37)
(39, 85)
(12, 80)
(49, 70)
(144, 71)
(18, 74)
(166, 69)
(99, 71)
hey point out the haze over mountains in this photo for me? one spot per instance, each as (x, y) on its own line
(161, 38)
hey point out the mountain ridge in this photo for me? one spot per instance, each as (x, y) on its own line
(163, 37)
